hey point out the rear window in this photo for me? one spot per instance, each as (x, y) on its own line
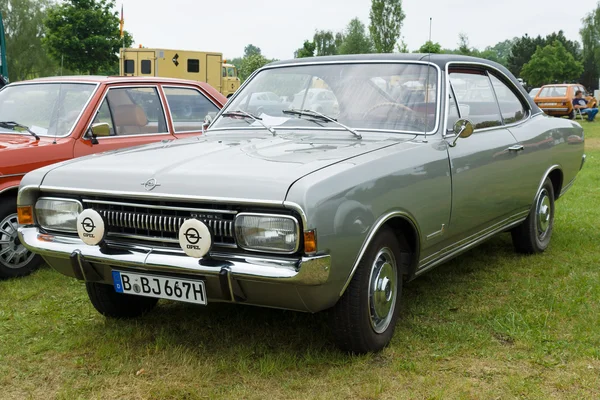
(553, 91)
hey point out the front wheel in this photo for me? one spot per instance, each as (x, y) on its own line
(15, 259)
(111, 304)
(365, 317)
(533, 235)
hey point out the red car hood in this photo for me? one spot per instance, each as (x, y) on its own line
(14, 141)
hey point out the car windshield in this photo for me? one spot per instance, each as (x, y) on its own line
(533, 92)
(48, 109)
(553, 91)
(386, 96)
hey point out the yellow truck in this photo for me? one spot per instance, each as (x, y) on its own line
(194, 65)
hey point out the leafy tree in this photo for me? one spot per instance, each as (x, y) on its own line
(86, 33)
(386, 20)
(402, 47)
(307, 50)
(251, 50)
(24, 29)
(463, 44)
(430, 47)
(251, 63)
(552, 63)
(356, 40)
(325, 43)
(590, 37)
(499, 52)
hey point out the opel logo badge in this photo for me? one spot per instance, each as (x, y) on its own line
(192, 236)
(150, 184)
(88, 225)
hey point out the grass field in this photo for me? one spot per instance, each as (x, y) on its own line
(490, 324)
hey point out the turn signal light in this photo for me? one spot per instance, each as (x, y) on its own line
(25, 215)
(310, 242)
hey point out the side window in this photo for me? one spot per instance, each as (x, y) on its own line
(510, 106)
(475, 98)
(129, 67)
(136, 111)
(452, 111)
(193, 65)
(224, 72)
(146, 67)
(105, 116)
(188, 108)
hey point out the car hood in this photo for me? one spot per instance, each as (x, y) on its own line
(220, 165)
(16, 141)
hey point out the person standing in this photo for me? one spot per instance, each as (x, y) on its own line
(581, 104)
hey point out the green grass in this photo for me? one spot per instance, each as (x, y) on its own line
(490, 324)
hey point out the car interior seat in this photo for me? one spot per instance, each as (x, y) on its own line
(130, 119)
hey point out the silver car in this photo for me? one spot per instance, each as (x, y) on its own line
(305, 211)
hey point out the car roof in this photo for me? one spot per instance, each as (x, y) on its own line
(112, 79)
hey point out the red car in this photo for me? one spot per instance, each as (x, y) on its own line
(44, 121)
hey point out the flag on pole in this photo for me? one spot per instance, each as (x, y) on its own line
(122, 22)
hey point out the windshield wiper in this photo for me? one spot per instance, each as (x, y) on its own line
(244, 114)
(316, 114)
(12, 125)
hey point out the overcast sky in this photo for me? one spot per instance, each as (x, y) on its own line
(279, 27)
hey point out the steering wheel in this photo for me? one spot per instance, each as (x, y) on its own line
(387, 104)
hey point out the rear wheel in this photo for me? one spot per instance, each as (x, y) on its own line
(15, 259)
(117, 305)
(534, 234)
(365, 317)
(571, 114)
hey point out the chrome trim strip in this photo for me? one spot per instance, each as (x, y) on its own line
(160, 196)
(11, 175)
(374, 229)
(85, 106)
(118, 86)
(426, 267)
(436, 233)
(566, 187)
(296, 247)
(546, 174)
(267, 67)
(296, 207)
(466, 241)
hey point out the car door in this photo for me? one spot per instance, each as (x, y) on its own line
(483, 166)
(188, 108)
(135, 115)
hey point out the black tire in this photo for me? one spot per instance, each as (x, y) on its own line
(353, 325)
(117, 305)
(15, 259)
(571, 115)
(534, 234)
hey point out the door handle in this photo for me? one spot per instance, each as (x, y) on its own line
(516, 147)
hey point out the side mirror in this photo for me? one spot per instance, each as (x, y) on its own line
(101, 129)
(207, 121)
(463, 128)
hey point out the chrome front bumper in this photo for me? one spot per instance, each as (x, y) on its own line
(71, 257)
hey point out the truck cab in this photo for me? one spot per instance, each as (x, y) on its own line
(230, 81)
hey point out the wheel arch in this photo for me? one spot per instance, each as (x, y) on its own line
(556, 177)
(405, 228)
(10, 191)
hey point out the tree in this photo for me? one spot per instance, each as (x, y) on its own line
(251, 63)
(402, 47)
(356, 40)
(430, 47)
(24, 29)
(463, 44)
(251, 50)
(590, 38)
(307, 50)
(325, 43)
(552, 63)
(85, 34)
(386, 20)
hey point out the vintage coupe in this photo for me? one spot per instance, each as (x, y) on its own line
(48, 120)
(306, 211)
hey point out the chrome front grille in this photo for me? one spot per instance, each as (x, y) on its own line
(161, 223)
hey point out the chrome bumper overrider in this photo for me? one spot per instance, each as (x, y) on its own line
(305, 271)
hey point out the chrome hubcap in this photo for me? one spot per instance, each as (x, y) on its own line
(544, 214)
(12, 253)
(382, 290)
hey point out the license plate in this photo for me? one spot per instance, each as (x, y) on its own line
(161, 287)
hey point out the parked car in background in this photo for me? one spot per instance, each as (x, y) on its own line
(533, 92)
(303, 211)
(318, 99)
(48, 120)
(268, 102)
(557, 100)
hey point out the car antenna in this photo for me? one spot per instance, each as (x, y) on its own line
(427, 85)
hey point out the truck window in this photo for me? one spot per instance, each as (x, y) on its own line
(231, 72)
(188, 108)
(224, 72)
(129, 67)
(193, 65)
(146, 67)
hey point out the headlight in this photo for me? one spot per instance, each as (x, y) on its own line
(58, 214)
(267, 233)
